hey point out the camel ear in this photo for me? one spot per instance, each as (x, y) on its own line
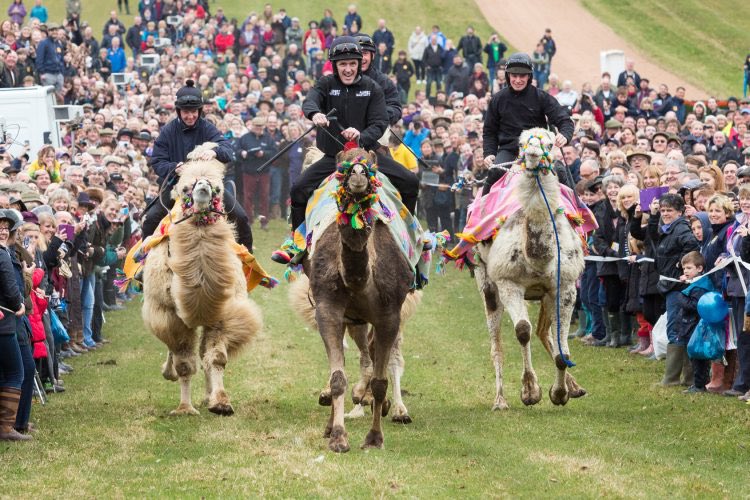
(373, 157)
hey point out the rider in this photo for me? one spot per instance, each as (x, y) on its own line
(361, 117)
(518, 107)
(178, 138)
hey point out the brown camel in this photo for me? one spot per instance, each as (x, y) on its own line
(357, 276)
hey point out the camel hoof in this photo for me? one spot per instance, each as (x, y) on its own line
(223, 409)
(579, 392)
(359, 392)
(338, 442)
(558, 396)
(500, 404)
(183, 410)
(374, 439)
(325, 399)
(531, 393)
(386, 408)
(401, 419)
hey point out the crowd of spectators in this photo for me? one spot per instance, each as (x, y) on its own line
(81, 202)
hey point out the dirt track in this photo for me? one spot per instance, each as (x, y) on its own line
(579, 37)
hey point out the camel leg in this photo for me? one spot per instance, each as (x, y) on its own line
(513, 300)
(396, 370)
(493, 310)
(213, 353)
(181, 363)
(329, 318)
(543, 332)
(360, 393)
(558, 393)
(383, 337)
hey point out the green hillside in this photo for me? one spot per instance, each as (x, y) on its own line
(704, 42)
(453, 16)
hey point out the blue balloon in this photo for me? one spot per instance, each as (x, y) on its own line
(712, 308)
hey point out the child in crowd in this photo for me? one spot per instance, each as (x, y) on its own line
(692, 269)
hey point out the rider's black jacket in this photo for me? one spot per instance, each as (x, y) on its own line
(176, 140)
(392, 99)
(360, 105)
(510, 113)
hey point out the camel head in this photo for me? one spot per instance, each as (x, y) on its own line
(536, 149)
(200, 188)
(358, 185)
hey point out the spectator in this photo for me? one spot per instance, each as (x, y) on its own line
(403, 70)
(495, 50)
(352, 18)
(470, 47)
(39, 11)
(540, 60)
(550, 47)
(17, 12)
(433, 61)
(385, 36)
(457, 79)
(254, 148)
(629, 73)
(116, 56)
(10, 76)
(418, 42)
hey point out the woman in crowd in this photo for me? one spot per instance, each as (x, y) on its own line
(11, 362)
(46, 161)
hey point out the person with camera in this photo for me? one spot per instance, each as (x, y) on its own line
(178, 138)
(519, 107)
(495, 50)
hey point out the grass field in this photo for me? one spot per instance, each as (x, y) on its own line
(704, 42)
(109, 435)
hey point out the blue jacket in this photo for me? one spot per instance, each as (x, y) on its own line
(117, 60)
(47, 60)
(688, 304)
(176, 140)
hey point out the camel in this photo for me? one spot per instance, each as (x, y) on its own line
(521, 264)
(301, 302)
(358, 274)
(195, 280)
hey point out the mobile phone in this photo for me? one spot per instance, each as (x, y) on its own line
(69, 229)
(125, 211)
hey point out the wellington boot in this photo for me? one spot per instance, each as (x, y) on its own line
(687, 370)
(673, 367)
(615, 329)
(626, 330)
(717, 378)
(729, 370)
(9, 399)
(581, 323)
(643, 344)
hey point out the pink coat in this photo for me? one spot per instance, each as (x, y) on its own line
(38, 336)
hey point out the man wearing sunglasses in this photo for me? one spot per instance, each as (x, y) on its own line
(178, 138)
(360, 117)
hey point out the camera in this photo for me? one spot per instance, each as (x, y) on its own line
(160, 43)
(174, 20)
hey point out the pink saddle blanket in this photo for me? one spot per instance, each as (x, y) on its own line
(487, 213)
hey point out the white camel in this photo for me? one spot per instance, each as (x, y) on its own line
(521, 264)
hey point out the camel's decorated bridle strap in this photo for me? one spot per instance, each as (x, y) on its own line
(545, 162)
(206, 216)
(357, 210)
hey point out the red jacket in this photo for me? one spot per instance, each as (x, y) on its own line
(38, 336)
(223, 42)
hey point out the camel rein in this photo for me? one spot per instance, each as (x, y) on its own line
(568, 362)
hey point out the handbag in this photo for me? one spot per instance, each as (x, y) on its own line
(58, 330)
(707, 341)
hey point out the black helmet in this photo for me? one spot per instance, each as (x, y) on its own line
(189, 97)
(366, 43)
(519, 64)
(344, 47)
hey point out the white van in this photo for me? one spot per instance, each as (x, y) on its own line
(27, 116)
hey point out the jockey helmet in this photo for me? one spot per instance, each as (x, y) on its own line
(189, 97)
(366, 43)
(518, 64)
